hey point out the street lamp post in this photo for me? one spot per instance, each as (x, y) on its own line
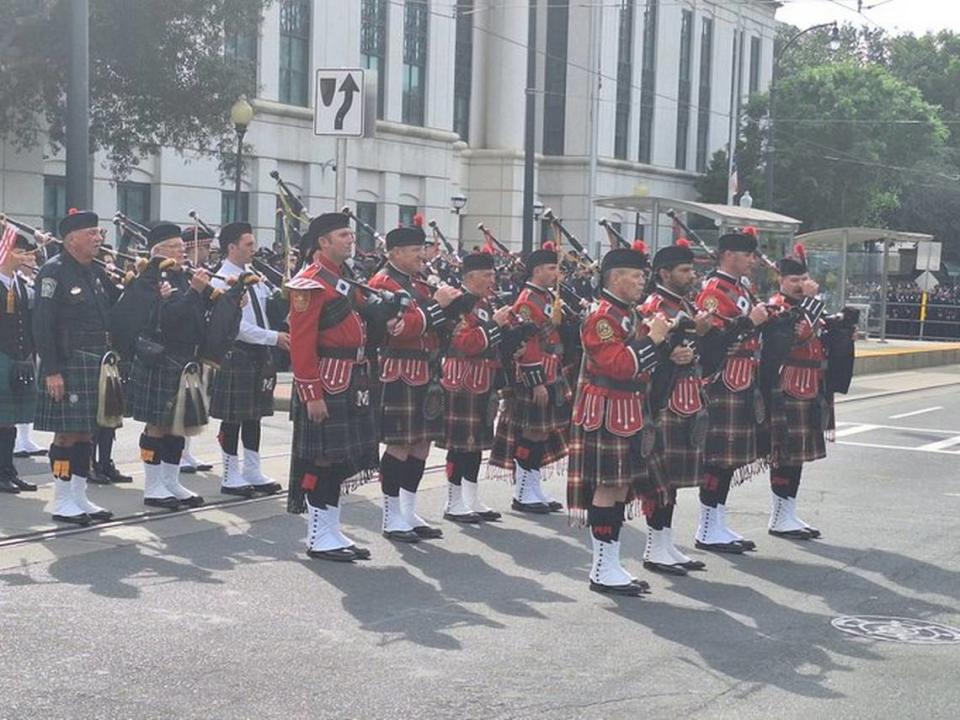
(241, 113)
(458, 202)
(834, 46)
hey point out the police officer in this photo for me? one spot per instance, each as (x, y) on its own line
(242, 388)
(70, 329)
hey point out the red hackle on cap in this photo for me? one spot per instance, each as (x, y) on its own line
(72, 211)
(682, 242)
(640, 246)
(548, 245)
(801, 252)
(751, 230)
(418, 220)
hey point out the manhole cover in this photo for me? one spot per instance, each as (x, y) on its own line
(897, 629)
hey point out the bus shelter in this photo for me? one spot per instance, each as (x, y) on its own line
(855, 265)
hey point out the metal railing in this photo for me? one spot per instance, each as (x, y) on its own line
(914, 320)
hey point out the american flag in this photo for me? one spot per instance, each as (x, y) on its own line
(733, 185)
(7, 241)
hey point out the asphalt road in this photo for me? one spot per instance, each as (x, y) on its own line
(218, 614)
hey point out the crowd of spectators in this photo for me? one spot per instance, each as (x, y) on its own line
(904, 301)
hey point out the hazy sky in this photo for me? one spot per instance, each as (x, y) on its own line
(896, 16)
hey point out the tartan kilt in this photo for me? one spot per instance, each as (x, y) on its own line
(675, 462)
(732, 435)
(154, 389)
(600, 458)
(236, 389)
(798, 423)
(509, 431)
(466, 427)
(15, 406)
(401, 415)
(547, 419)
(77, 412)
(347, 436)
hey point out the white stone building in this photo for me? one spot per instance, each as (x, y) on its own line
(452, 92)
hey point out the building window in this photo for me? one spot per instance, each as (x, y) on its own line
(240, 48)
(648, 81)
(683, 91)
(294, 52)
(406, 215)
(373, 44)
(703, 98)
(228, 207)
(415, 16)
(367, 212)
(133, 200)
(463, 70)
(555, 77)
(624, 79)
(755, 48)
(54, 201)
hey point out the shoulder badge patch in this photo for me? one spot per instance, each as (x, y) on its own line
(48, 287)
(711, 303)
(604, 330)
(299, 300)
(526, 313)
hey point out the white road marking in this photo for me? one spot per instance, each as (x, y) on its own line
(852, 425)
(916, 412)
(855, 429)
(899, 447)
(941, 444)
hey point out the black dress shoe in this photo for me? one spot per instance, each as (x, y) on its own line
(193, 501)
(693, 565)
(533, 508)
(792, 534)
(555, 506)
(362, 553)
(115, 476)
(204, 467)
(428, 532)
(407, 536)
(748, 545)
(188, 469)
(246, 491)
(629, 590)
(642, 584)
(42, 452)
(814, 533)
(7, 486)
(167, 503)
(731, 548)
(270, 488)
(97, 475)
(22, 484)
(664, 568)
(101, 515)
(489, 515)
(21, 454)
(338, 555)
(83, 519)
(467, 518)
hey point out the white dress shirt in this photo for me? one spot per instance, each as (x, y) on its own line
(251, 331)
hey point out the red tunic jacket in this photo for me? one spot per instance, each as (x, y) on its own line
(616, 370)
(322, 355)
(685, 399)
(728, 299)
(407, 351)
(540, 360)
(802, 370)
(472, 359)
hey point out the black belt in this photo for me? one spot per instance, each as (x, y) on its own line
(405, 354)
(803, 363)
(355, 354)
(618, 385)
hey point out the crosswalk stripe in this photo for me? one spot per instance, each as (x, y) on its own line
(941, 444)
(855, 429)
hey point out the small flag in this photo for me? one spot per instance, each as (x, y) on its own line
(733, 186)
(7, 241)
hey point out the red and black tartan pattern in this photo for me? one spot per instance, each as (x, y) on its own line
(600, 458)
(155, 389)
(674, 461)
(466, 428)
(16, 406)
(236, 388)
(732, 435)
(348, 436)
(799, 422)
(509, 431)
(550, 418)
(401, 415)
(77, 412)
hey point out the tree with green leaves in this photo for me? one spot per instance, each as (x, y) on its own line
(159, 73)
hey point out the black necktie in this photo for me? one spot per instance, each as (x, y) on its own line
(257, 310)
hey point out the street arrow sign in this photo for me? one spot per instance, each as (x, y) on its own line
(927, 281)
(337, 112)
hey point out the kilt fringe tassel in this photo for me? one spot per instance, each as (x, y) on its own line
(749, 471)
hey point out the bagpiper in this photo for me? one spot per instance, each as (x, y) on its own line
(407, 424)
(18, 393)
(166, 377)
(801, 406)
(735, 405)
(532, 427)
(334, 437)
(70, 329)
(472, 375)
(677, 403)
(242, 389)
(607, 468)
